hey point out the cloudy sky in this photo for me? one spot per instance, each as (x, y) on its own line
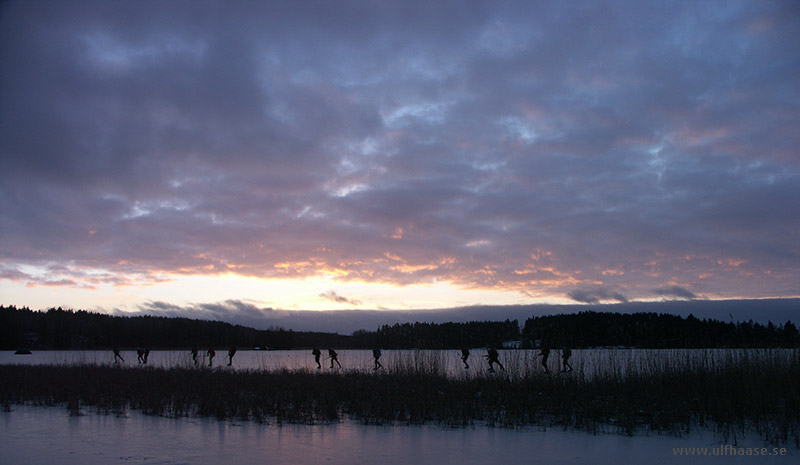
(397, 155)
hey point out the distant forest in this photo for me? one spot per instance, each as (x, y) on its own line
(654, 331)
(67, 329)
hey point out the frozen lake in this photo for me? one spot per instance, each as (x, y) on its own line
(34, 435)
(43, 435)
(586, 363)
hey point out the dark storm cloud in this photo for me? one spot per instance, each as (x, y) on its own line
(593, 296)
(332, 295)
(548, 148)
(676, 292)
(233, 311)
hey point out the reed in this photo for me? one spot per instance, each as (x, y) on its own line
(733, 392)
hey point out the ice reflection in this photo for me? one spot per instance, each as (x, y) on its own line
(50, 435)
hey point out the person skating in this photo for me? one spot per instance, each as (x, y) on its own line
(376, 354)
(231, 353)
(117, 356)
(211, 353)
(491, 357)
(566, 353)
(464, 357)
(316, 353)
(545, 354)
(333, 356)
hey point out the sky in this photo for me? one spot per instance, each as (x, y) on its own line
(356, 155)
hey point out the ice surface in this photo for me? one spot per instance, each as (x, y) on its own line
(49, 435)
(587, 363)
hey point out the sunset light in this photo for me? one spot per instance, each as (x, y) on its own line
(335, 158)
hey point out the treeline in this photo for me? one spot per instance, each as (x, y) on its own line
(68, 329)
(654, 331)
(592, 329)
(447, 335)
(57, 328)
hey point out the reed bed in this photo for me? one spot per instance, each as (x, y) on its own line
(734, 392)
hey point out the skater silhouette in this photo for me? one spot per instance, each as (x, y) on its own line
(211, 353)
(194, 355)
(545, 354)
(140, 355)
(332, 354)
(464, 357)
(117, 356)
(145, 355)
(566, 353)
(491, 357)
(376, 354)
(231, 353)
(316, 353)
